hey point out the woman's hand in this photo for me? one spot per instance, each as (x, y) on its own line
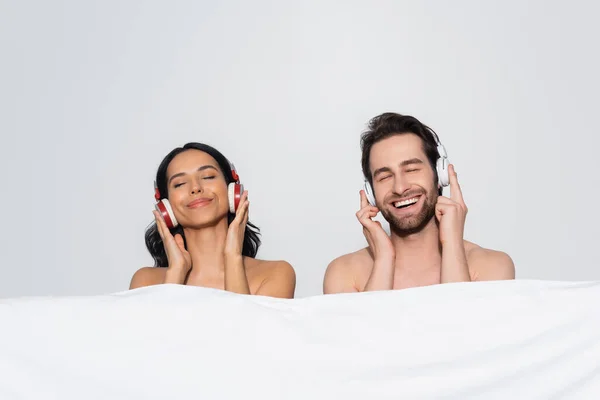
(234, 243)
(235, 270)
(180, 260)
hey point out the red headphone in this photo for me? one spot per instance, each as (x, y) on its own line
(234, 192)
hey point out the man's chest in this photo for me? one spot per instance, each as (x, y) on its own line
(409, 279)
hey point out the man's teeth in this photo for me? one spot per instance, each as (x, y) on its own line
(405, 203)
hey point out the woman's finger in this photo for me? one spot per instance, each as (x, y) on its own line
(246, 213)
(239, 214)
(159, 228)
(180, 243)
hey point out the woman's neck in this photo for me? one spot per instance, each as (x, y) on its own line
(206, 247)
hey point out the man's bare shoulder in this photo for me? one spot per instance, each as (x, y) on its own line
(488, 264)
(343, 273)
(357, 260)
(147, 276)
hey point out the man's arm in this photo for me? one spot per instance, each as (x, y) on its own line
(339, 277)
(455, 267)
(491, 265)
(381, 276)
(380, 246)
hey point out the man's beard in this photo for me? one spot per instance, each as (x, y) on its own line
(414, 223)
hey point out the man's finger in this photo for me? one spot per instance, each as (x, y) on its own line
(370, 214)
(443, 207)
(455, 191)
(366, 220)
(369, 209)
(445, 200)
(446, 208)
(364, 202)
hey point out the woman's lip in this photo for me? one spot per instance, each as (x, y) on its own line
(199, 203)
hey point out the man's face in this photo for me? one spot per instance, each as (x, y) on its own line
(403, 183)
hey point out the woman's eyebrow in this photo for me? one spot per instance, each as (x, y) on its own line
(202, 168)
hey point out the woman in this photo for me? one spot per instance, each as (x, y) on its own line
(201, 235)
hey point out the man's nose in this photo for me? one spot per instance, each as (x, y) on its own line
(401, 184)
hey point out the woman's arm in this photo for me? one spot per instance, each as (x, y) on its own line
(235, 274)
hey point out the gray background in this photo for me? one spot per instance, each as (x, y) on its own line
(94, 94)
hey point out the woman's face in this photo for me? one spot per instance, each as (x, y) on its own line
(197, 189)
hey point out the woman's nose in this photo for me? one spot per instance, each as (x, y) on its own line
(196, 187)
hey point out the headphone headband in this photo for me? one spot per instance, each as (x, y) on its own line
(236, 177)
(442, 161)
(156, 192)
(440, 147)
(442, 151)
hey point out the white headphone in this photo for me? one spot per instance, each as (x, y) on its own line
(441, 167)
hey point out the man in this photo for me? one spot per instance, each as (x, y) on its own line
(400, 157)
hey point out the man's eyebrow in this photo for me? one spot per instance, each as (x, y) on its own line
(202, 168)
(381, 170)
(411, 161)
(402, 164)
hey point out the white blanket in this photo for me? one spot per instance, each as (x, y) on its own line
(491, 340)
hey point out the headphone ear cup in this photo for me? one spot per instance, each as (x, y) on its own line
(369, 193)
(166, 211)
(235, 191)
(442, 171)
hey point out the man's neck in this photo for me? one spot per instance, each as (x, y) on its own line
(206, 247)
(419, 251)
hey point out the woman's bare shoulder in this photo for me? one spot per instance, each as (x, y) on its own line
(147, 276)
(269, 267)
(271, 277)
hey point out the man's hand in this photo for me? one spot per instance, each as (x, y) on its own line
(384, 255)
(378, 240)
(451, 213)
